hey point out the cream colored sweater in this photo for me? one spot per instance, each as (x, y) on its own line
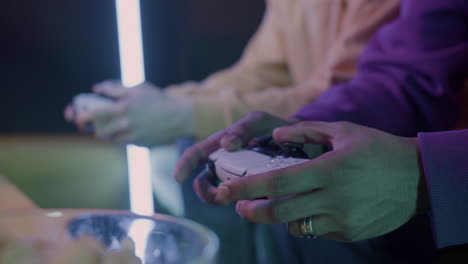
(301, 48)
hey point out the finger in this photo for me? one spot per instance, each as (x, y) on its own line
(112, 129)
(124, 256)
(254, 124)
(204, 188)
(322, 226)
(285, 209)
(196, 155)
(128, 245)
(69, 113)
(111, 88)
(306, 133)
(102, 113)
(85, 250)
(299, 178)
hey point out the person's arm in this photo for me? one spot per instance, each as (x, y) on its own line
(260, 81)
(445, 161)
(12, 198)
(408, 76)
(263, 63)
(360, 22)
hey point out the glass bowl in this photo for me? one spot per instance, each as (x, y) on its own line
(158, 239)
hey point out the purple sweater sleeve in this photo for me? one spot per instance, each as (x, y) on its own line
(445, 161)
(409, 74)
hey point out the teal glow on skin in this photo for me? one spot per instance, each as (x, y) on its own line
(367, 186)
(143, 115)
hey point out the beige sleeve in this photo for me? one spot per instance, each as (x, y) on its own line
(261, 66)
(267, 87)
(362, 20)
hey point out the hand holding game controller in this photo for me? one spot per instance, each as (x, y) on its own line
(262, 157)
(86, 102)
(83, 105)
(142, 115)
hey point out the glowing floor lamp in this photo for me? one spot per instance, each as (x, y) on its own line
(133, 73)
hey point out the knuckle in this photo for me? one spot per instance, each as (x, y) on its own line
(237, 127)
(340, 125)
(236, 130)
(202, 193)
(186, 155)
(193, 150)
(281, 213)
(343, 126)
(280, 184)
(303, 124)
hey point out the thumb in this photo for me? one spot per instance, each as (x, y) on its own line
(309, 132)
(111, 88)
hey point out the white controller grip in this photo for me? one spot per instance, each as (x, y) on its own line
(86, 102)
(230, 165)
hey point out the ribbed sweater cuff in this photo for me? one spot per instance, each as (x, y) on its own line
(445, 161)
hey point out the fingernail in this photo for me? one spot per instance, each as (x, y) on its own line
(239, 207)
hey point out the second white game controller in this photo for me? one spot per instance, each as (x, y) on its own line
(86, 102)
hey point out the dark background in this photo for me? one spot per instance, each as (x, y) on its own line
(51, 50)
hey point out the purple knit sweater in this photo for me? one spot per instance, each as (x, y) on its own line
(407, 82)
(445, 161)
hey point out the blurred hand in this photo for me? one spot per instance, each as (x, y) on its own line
(365, 187)
(83, 251)
(142, 115)
(89, 251)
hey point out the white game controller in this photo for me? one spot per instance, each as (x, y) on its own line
(258, 159)
(86, 102)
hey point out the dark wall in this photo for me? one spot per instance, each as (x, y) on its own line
(51, 50)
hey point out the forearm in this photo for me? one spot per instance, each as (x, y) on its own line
(263, 64)
(244, 78)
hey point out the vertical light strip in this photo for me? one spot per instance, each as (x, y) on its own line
(140, 186)
(130, 42)
(133, 73)
(132, 70)
(139, 232)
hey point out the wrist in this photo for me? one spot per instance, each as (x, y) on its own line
(186, 113)
(422, 203)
